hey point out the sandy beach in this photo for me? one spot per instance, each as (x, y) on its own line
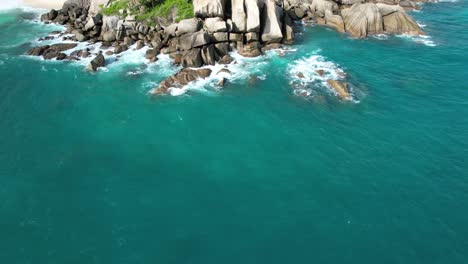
(49, 4)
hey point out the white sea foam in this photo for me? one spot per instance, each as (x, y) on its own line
(238, 72)
(423, 39)
(380, 36)
(309, 74)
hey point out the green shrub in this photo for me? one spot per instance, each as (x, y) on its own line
(184, 10)
(114, 7)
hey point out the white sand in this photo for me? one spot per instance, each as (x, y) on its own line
(49, 4)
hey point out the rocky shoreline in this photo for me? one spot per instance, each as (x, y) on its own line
(220, 26)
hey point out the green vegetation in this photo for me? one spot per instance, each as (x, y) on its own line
(153, 9)
(114, 7)
(184, 10)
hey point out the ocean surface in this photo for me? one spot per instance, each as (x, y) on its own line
(93, 170)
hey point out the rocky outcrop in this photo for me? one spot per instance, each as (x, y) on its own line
(238, 16)
(209, 8)
(180, 79)
(253, 15)
(97, 62)
(340, 88)
(220, 26)
(399, 22)
(272, 28)
(362, 20)
(49, 52)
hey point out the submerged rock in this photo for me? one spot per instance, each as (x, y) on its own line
(341, 89)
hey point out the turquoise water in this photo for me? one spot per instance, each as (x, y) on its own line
(92, 170)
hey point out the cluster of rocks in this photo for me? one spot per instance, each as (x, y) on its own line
(220, 26)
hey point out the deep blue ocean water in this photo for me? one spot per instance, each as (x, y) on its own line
(93, 170)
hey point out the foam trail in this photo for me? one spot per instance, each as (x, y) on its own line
(423, 39)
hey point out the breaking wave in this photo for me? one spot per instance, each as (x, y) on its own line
(422, 39)
(307, 74)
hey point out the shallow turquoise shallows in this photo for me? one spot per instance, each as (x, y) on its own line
(93, 170)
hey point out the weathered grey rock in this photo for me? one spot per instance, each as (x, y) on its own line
(50, 54)
(171, 30)
(253, 15)
(194, 40)
(215, 24)
(349, 2)
(192, 58)
(222, 49)
(226, 59)
(272, 32)
(209, 8)
(190, 25)
(142, 28)
(61, 56)
(408, 4)
(140, 44)
(250, 50)
(38, 51)
(52, 14)
(95, 6)
(220, 37)
(80, 37)
(388, 2)
(224, 71)
(222, 82)
(252, 36)
(85, 54)
(318, 7)
(109, 23)
(362, 20)
(288, 30)
(401, 23)
(334, 21)
(120, 34)
(236, 37)
(151, 53)
(63, 46)
(239, 17)
(128, 41)
(109, 36)
(97, 62)
(89, 24)
(386, 10)
(209, 55)
(120, 48)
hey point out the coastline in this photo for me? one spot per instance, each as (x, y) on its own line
(47, 4)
